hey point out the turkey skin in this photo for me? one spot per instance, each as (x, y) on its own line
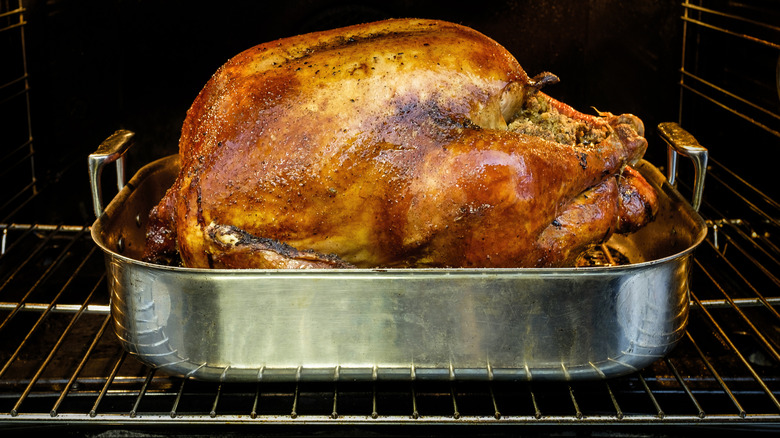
(400, 143)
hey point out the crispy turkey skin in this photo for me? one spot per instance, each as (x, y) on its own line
(401, 143)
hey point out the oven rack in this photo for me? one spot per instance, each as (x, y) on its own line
(737, 82)
(17, 173)
(61, 364)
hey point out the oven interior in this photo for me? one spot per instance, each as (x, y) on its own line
(73, 72)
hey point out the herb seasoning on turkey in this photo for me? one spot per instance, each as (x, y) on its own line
(400, 143)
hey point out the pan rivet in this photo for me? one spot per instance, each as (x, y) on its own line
(120, 244)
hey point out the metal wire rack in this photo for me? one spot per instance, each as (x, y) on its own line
(18, 171)
(61, 365)
(739, 83)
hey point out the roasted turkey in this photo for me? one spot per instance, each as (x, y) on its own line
(400, 143)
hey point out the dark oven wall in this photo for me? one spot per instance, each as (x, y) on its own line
(100, 65)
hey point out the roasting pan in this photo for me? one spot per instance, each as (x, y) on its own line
(399, 324)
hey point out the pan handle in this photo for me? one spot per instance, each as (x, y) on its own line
(112, 149)
(682, 142)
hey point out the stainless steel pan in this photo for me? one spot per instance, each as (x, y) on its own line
(404, 324)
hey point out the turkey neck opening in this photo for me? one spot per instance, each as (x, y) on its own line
(529, 111)
(540, 118)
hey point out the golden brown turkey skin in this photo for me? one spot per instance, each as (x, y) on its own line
(389, 144)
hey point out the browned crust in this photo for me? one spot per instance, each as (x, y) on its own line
(385, 143)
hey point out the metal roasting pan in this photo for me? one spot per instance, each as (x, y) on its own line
(401, 324)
